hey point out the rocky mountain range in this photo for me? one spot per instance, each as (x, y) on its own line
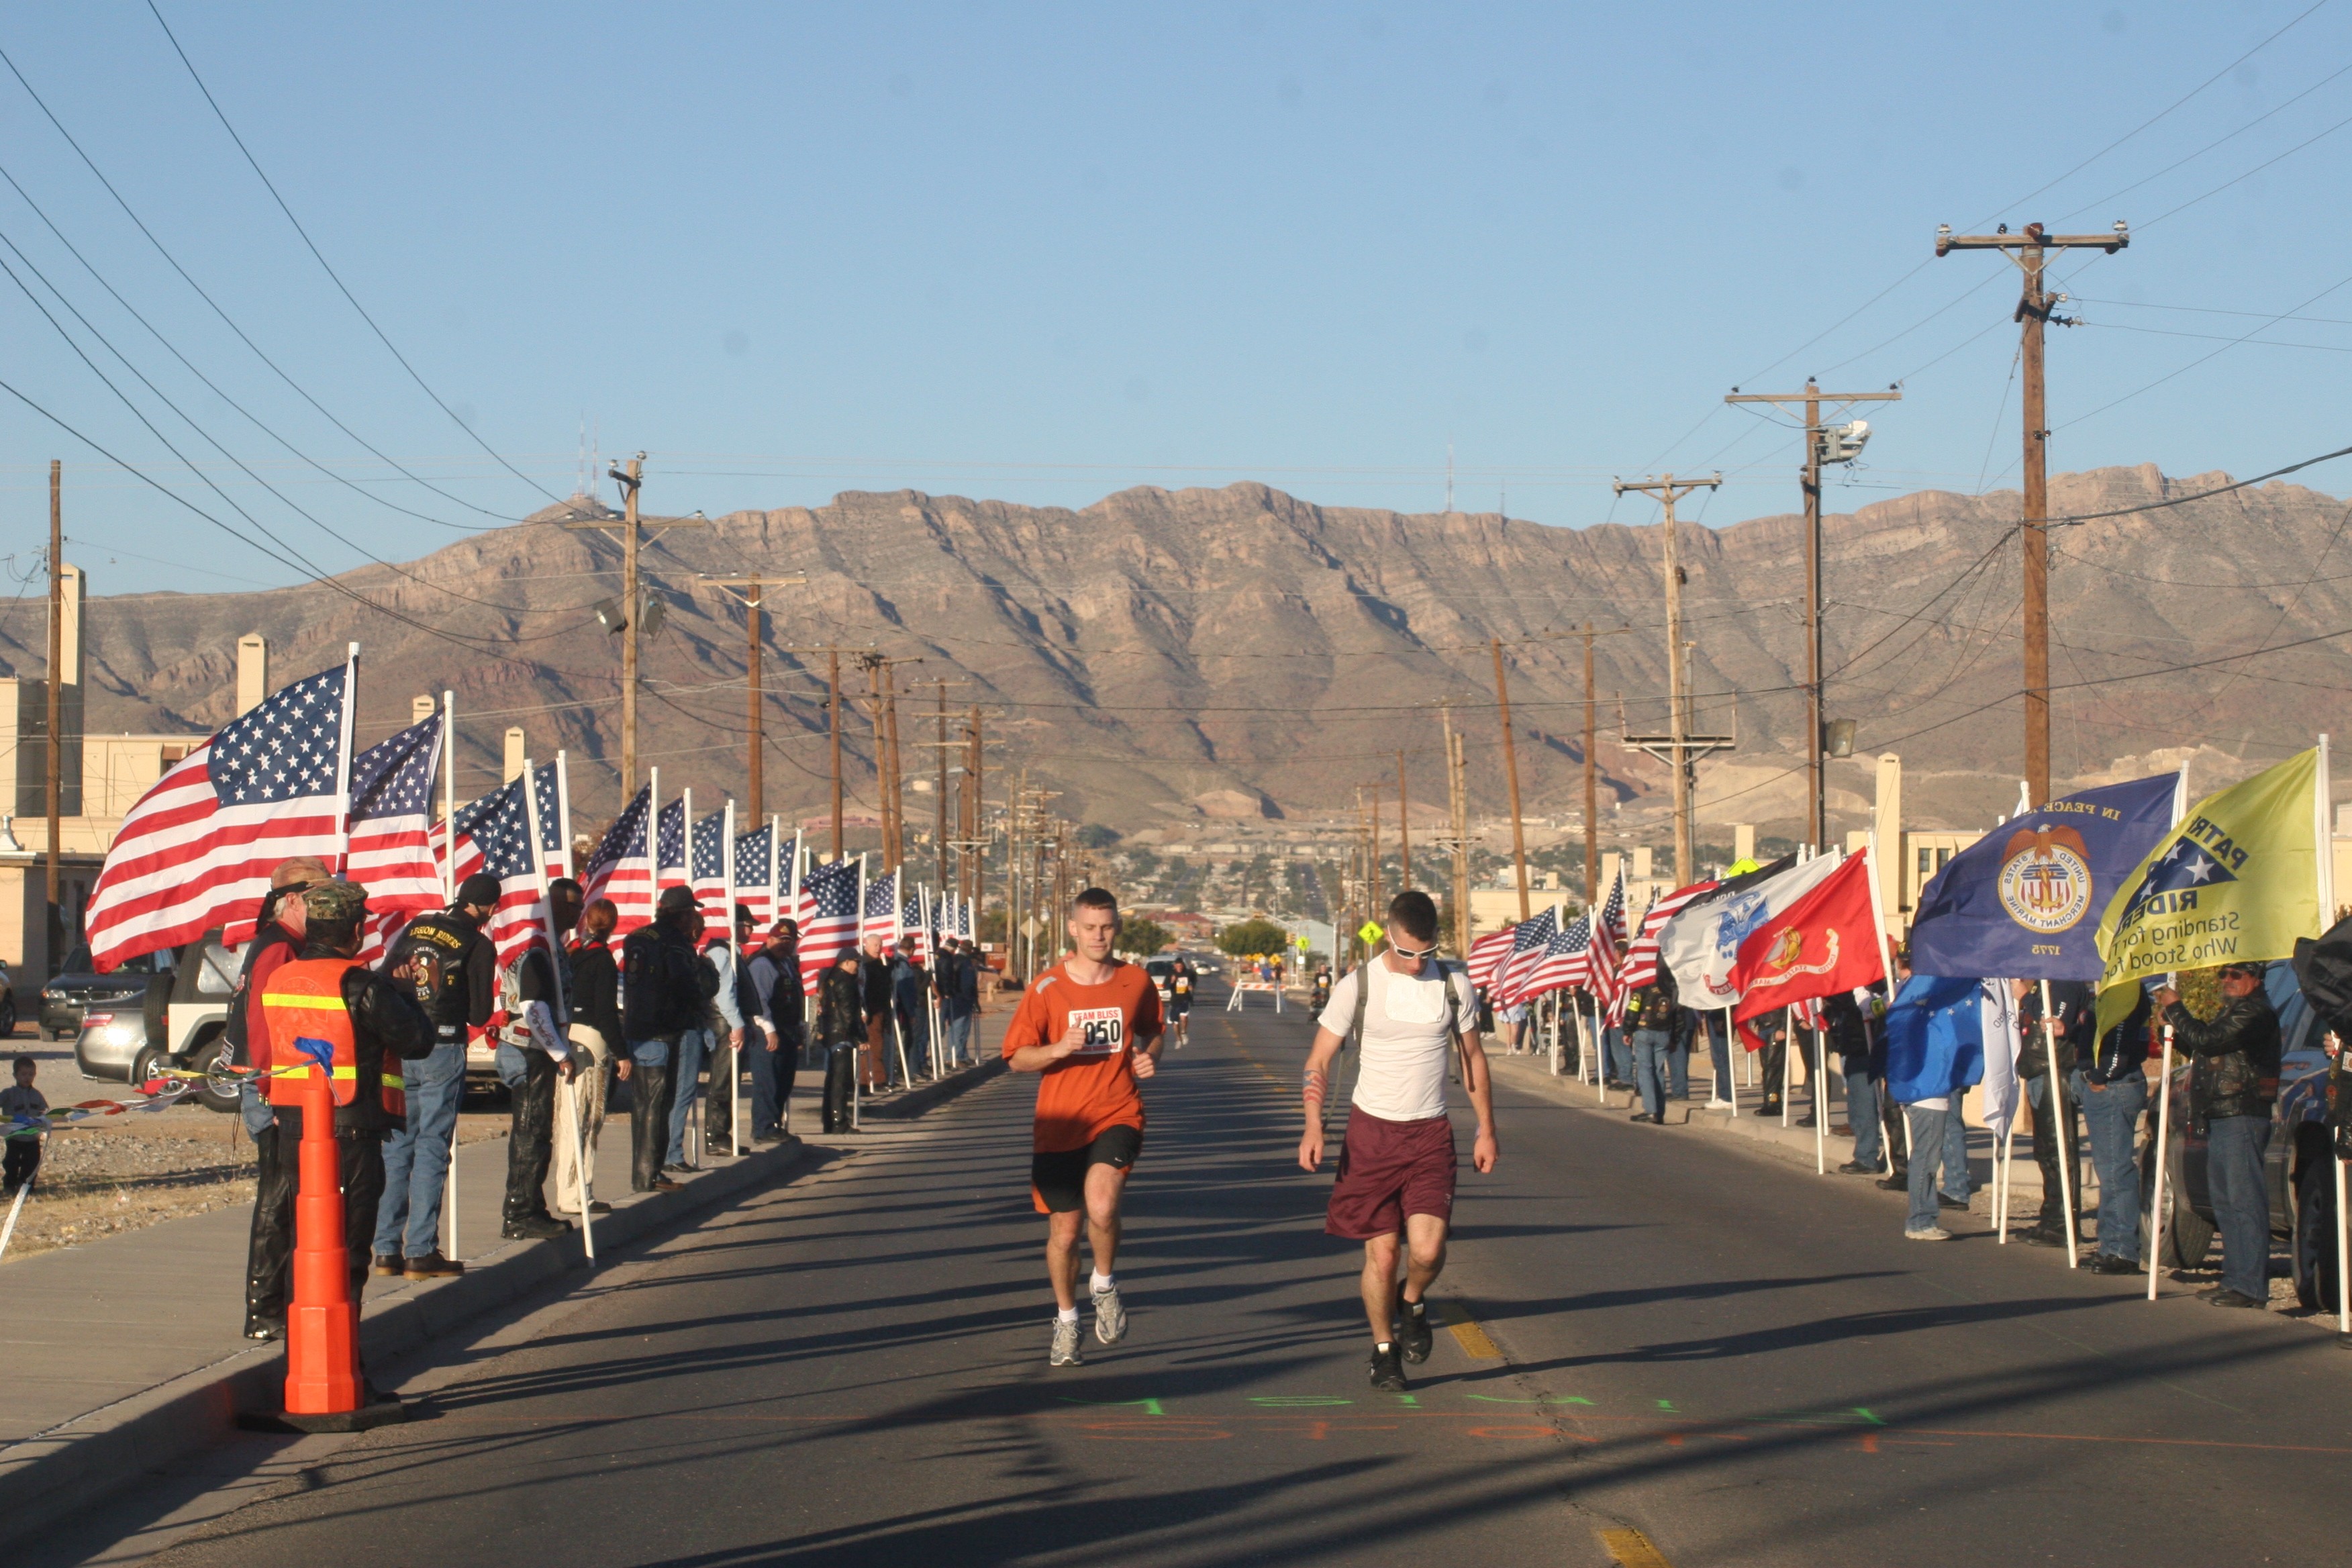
(1162, 656)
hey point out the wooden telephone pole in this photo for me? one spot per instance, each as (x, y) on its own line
(53, 758)
(833, 717)
(1680, 746)
(1457, 800)
(632, 479)
(1511, 775)
(754, 602)
(883, 692)
(1405, 825)
(941, 744)
(2030, 251)
(1809, 479)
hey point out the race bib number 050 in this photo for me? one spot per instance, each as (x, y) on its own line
(1102, 1031)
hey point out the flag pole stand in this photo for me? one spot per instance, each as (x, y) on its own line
(1821, 1110)
(2058, 1128)
(568, 1091)
(2163, 1168)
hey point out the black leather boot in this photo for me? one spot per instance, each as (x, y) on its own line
(648, 1127)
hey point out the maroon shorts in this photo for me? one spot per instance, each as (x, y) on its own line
(1388, 1170)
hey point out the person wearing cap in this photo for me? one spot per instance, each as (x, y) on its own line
(841, 1035)
(661, 1000)
(910, 989)
(2232, 1079)
(453, 972)
(772, 985)
(374, 1024)
(269, 1246)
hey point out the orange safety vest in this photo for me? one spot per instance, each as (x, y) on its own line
(304, 1000)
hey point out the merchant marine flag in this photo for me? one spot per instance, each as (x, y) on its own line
(2023, 901)
(2237, 881)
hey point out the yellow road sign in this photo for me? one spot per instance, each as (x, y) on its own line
(1371, 932)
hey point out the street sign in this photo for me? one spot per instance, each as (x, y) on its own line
(1371, 932)
(1299, 942)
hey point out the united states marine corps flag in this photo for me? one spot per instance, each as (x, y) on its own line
(1825, 942)
(2237, 881)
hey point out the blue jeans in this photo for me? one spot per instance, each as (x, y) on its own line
(2111, 1116)
(649, 1053)
(1678, 1055)
(959, 1038)
(416, 1159)
(253, 1110)
(1957, 1185)
(512, 1067)
(1862, 1111)
(769, 1073)
(1719, 1052)
(691, 1046)
(1650, 1047)
(1621, 1059)
(2242, 1209)
(1927, 1126)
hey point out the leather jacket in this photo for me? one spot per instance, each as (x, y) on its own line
(840, 1007)
(2236, 1066)
(661, 984)
(1650, 1008)
(2075, 1005)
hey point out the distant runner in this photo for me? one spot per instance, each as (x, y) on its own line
(1180, 1001)
(1088, 1027)
(1396, 1165)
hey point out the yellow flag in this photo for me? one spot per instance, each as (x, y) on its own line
(2237, 880)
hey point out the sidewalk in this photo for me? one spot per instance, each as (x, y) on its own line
(125, 1353)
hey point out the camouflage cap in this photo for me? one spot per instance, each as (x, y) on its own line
(334, 903)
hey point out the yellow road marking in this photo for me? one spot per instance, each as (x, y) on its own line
(1631, 1548)
(1467, 1333)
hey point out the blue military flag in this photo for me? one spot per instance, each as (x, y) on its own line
(2024, 900)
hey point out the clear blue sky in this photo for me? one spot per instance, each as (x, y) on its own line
(1046, 252)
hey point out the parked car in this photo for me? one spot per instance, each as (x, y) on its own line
(1162, 972)
(178, 1017)
(7, 1003)
(78, 987)
(2295, 1165)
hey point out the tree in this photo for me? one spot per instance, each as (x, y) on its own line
(1253, 936)
(1137, 934)
(1096, 836)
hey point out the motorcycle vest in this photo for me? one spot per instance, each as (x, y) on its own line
(438, 946)
(305, 1007)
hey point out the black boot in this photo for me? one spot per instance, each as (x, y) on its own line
(648, 1127)
(530, 1142)
(269, 1247)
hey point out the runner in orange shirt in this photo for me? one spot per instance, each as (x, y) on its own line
(1089, 1027)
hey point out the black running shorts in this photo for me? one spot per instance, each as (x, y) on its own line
(1057, 1180)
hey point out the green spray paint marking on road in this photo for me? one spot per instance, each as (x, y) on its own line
(1150, 1407)
(1296, 1401)
(1548, 1399)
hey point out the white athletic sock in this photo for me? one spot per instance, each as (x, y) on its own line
(1102, 1282)
(1068, 1314)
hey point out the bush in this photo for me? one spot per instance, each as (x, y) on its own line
(1243, 938)
(1137, 934)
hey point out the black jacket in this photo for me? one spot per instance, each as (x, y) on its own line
(1849, 1033)
(661, 991)
(466, 967)
(387, 1025)
(595, 989)
(2236, 1070)
(2075, 1005)
(874, 974)
(772, 978)
(2123, 1050)
(840, 1007)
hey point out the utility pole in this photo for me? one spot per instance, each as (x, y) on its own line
(1819, 449)
(632, 608)
(1591, 786)
(1511, 774)
(1405, 826)
(1373, 856)
(977, 861)
(1457, 805)
(754, 602)
(939, 839)
(833, 714)
(53, 761)
(2030, 251)
(1678, 740)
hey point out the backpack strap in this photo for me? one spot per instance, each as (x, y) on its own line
(1363, 1000)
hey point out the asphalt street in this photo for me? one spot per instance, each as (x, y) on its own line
(1651, 1332)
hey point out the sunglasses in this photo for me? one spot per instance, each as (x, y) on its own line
(1403, 951)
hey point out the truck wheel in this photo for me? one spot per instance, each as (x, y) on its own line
(7, 1015)
(144, 1067)
(2315, 1232)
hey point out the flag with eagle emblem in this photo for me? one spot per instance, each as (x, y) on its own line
(1826, 943)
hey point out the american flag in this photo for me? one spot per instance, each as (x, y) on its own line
(197, 850)
(670, 842)
(1529, 940)
(1608, 947)
(911, 922)
(755, 881)
(881, 915)
(828, 918)
(712, 873)
(493, 835)
(1566, 960)
(391, 852)
(1640, 965)
(554, 853)
(619, 869)
(960, 928)
(1486, 955)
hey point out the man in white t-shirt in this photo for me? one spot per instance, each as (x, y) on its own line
(1396, 1163)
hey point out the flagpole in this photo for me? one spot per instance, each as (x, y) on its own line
(568, 1108)
(343, 760)
(2058, 1126)
(858, 944)
(449, 809)
(2323, 853)
(653, 841)
(564, 811)
(2163, 1168)
(1886, 974)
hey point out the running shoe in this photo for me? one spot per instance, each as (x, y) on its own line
(1412, 1332)
(1111, 1316)
(1065, 1345)
(1387, 1374)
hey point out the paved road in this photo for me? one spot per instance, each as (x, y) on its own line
(1742, 1361)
